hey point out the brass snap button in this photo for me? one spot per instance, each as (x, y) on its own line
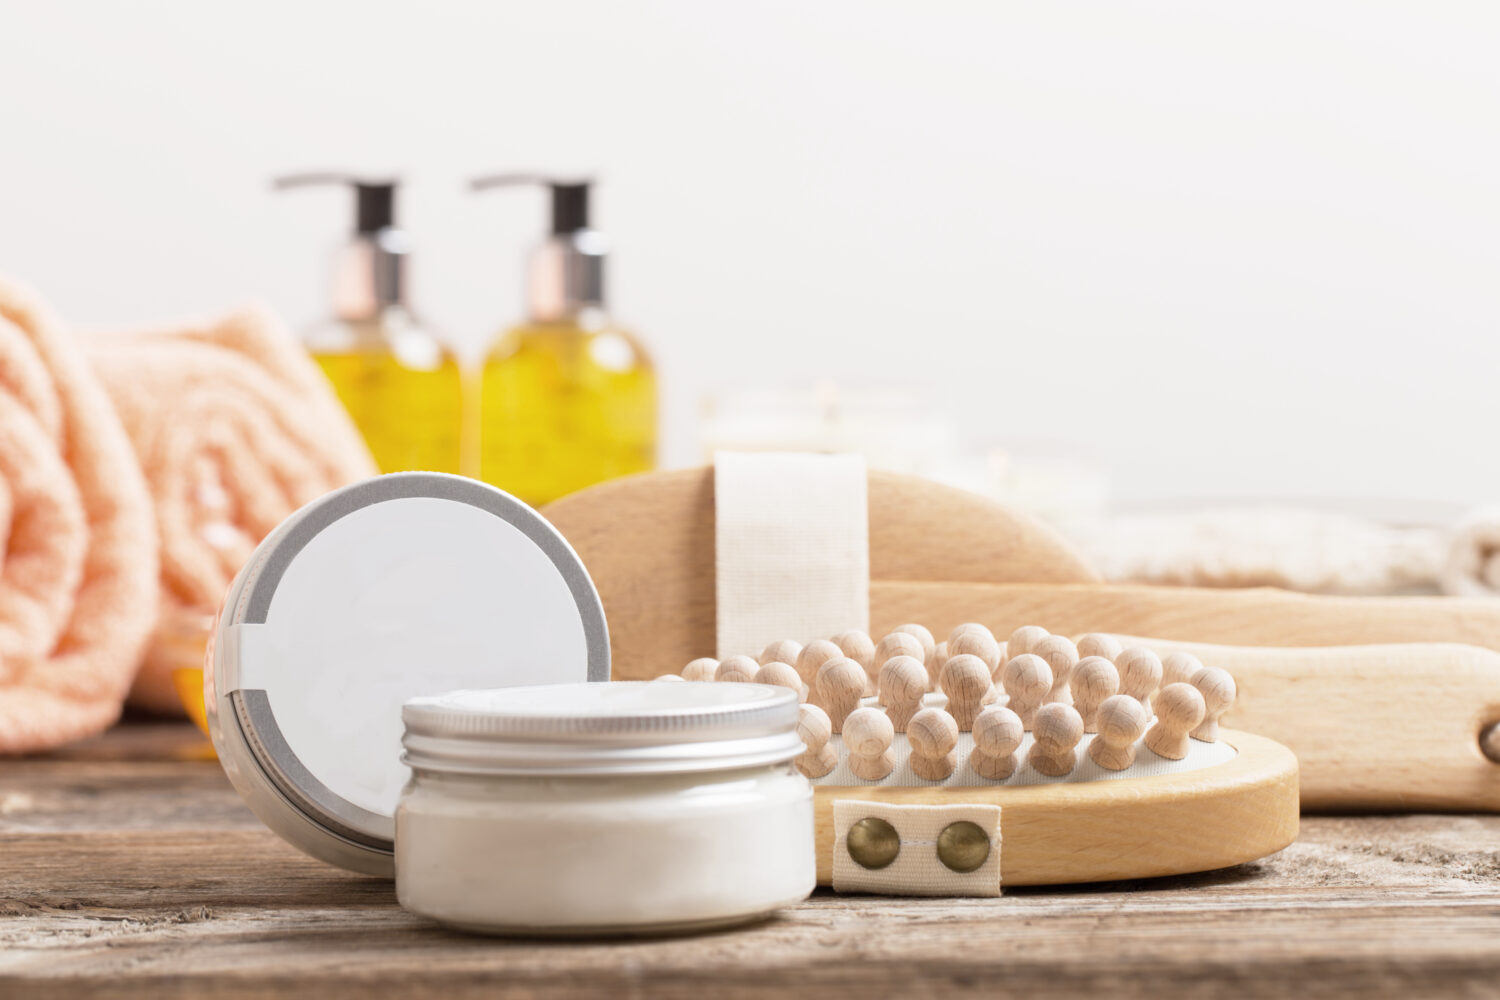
(963, 846)
(873, 843)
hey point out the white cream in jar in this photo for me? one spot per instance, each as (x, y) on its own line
(603, 808)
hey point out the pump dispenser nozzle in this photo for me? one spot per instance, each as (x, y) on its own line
(400, 383)
(567, 271)
(371, 274)
(568, 398)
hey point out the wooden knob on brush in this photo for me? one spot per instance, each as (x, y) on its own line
(1026, 679)
(1023, 639)
(815, 730)
(867, 738)
(974, 643)
(1121, 721)
(1099, 644)
(933, 736)
(1140, 673)
(959, 630)
(1094, 680)
(857, 646)
(860, 648)
(966, 682)
(924, 636)
(1179, 668)
(899, 644)
(894, 645)
(781, 651)
(1179, 710)
(1062, 656)
(781, 675)
(841, 683)
(811, 659)
(903, 682)
(701, 669)
(997, 735)
(1055, 732)
(737, 668)
(1218, 690)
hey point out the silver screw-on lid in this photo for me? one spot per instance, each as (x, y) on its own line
(640, 727)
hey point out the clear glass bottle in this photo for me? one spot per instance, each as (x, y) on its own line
(400, 383)
(565, 404)
(568, 398)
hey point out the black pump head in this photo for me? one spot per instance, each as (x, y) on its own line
(374, 200)
(570, 206)
(374, 206)
(570, 198)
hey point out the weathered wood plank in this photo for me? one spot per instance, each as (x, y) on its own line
(148, 878)
(39, 796)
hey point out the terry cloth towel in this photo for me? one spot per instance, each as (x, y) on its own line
(1306, 550)
(1471, 562)
(76, 588)
(235, 428)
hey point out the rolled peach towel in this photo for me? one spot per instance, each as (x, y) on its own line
(77, 597)
(235, 428)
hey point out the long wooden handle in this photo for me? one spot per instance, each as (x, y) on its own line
(1255, 617)
(1374, 727)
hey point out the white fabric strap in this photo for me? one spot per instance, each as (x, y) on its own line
(917, 870)
(793, 548)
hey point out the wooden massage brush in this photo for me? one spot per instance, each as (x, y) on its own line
(1093, 783)
(942, 556)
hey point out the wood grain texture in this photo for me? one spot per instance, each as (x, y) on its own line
(95, 899)
(1261, 616)
(1374, 727)
(648, 542)
(940, 557)
(1130, 828)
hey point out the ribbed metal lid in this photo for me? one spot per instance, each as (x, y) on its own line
(639, 727)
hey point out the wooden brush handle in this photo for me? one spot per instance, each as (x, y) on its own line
(1390, 729)
(1255, 617)
(648, 542)
(1373, 727)
(1374, 724)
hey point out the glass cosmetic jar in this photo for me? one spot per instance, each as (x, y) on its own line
(613, 808)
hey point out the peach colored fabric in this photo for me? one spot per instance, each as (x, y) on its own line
(76, 593)
(235, 428)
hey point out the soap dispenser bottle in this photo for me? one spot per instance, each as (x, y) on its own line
(568, 398)
(401, 384)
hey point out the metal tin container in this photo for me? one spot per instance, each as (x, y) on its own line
(401, 585)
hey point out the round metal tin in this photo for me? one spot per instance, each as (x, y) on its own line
(404, 585)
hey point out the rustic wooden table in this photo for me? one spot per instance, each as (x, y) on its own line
(128, 866)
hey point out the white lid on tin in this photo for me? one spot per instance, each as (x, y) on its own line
(395, 587)
(626, 727)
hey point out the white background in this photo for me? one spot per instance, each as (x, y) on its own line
(1234, 249)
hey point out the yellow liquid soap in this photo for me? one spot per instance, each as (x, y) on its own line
(564, 405)
(403, 388)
